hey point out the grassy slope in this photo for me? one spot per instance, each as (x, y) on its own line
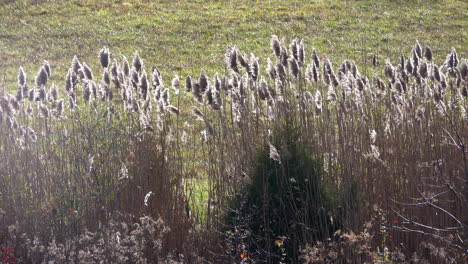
(185, 36)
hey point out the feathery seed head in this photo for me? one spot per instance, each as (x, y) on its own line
(331, 95)
(126, 67)
(209, 97)
(53, 92)
(41, 94)
(104, 57)
(231, 58)
(318, 102)
(464, 70)
(301, 53)
(72, 100)
(428, 53)
(453, 59)
(143, 85)
(294, 49)
(44, 110)
(315, 58)
(41, 78)
(59, 109)
(115, 69)
(242, 60)
(294, 67)
(423, 69)
(203, 81)
(188, 83)
(217, 83)
(166, 97)
(409, 66)
(70, 80)
(281, 72)
(253, 67)
(389, 70)
(176, 84)
(416, 59)
(436, 73)
(137, 62)
(31, 95)
(76, 65)
(270, 69)
(275, 46)
(86, 92)
(88, 74)
(375, 61)
(21, 77)
(19, 94)
(417, 49)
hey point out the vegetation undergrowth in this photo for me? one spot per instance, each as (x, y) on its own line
(120, 147)
(284, 206)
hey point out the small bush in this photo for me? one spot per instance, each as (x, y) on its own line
(285, 205)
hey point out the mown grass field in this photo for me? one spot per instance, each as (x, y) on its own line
(185, 36)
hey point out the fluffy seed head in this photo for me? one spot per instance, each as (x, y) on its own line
(274, 155)
(46, 66)
(21, 77)
(19, 94)
(464, 70)
(137, 62)
(126, 67)
(231, 58)
(41, 94)
(203, 81)
(87, 71)
(294, 49)
(188, 83)
(253, 67)
(44, 110)
(423, 69)
(53, 92)
(409, 66)
(389, 70)
(76, 65)
(143, 85)
(417, 49)
(106, 77)
(217, 83)
(375, 61)
(301, 53)
(86, 92)
(176, 84)
(294, 67)
(275, 46)
(428, 53)
(41, 78)
(315, 58)
(104, 56)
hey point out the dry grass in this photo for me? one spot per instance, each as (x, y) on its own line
(124, 143)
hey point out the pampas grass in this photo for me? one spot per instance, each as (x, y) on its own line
(193, 147)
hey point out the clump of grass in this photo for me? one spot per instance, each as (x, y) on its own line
(82, 150)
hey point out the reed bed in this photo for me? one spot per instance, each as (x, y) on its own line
(124, 144)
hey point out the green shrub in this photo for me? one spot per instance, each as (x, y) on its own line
(286, 204)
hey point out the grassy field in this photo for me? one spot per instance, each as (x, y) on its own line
(185, 36)
(256, 163)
